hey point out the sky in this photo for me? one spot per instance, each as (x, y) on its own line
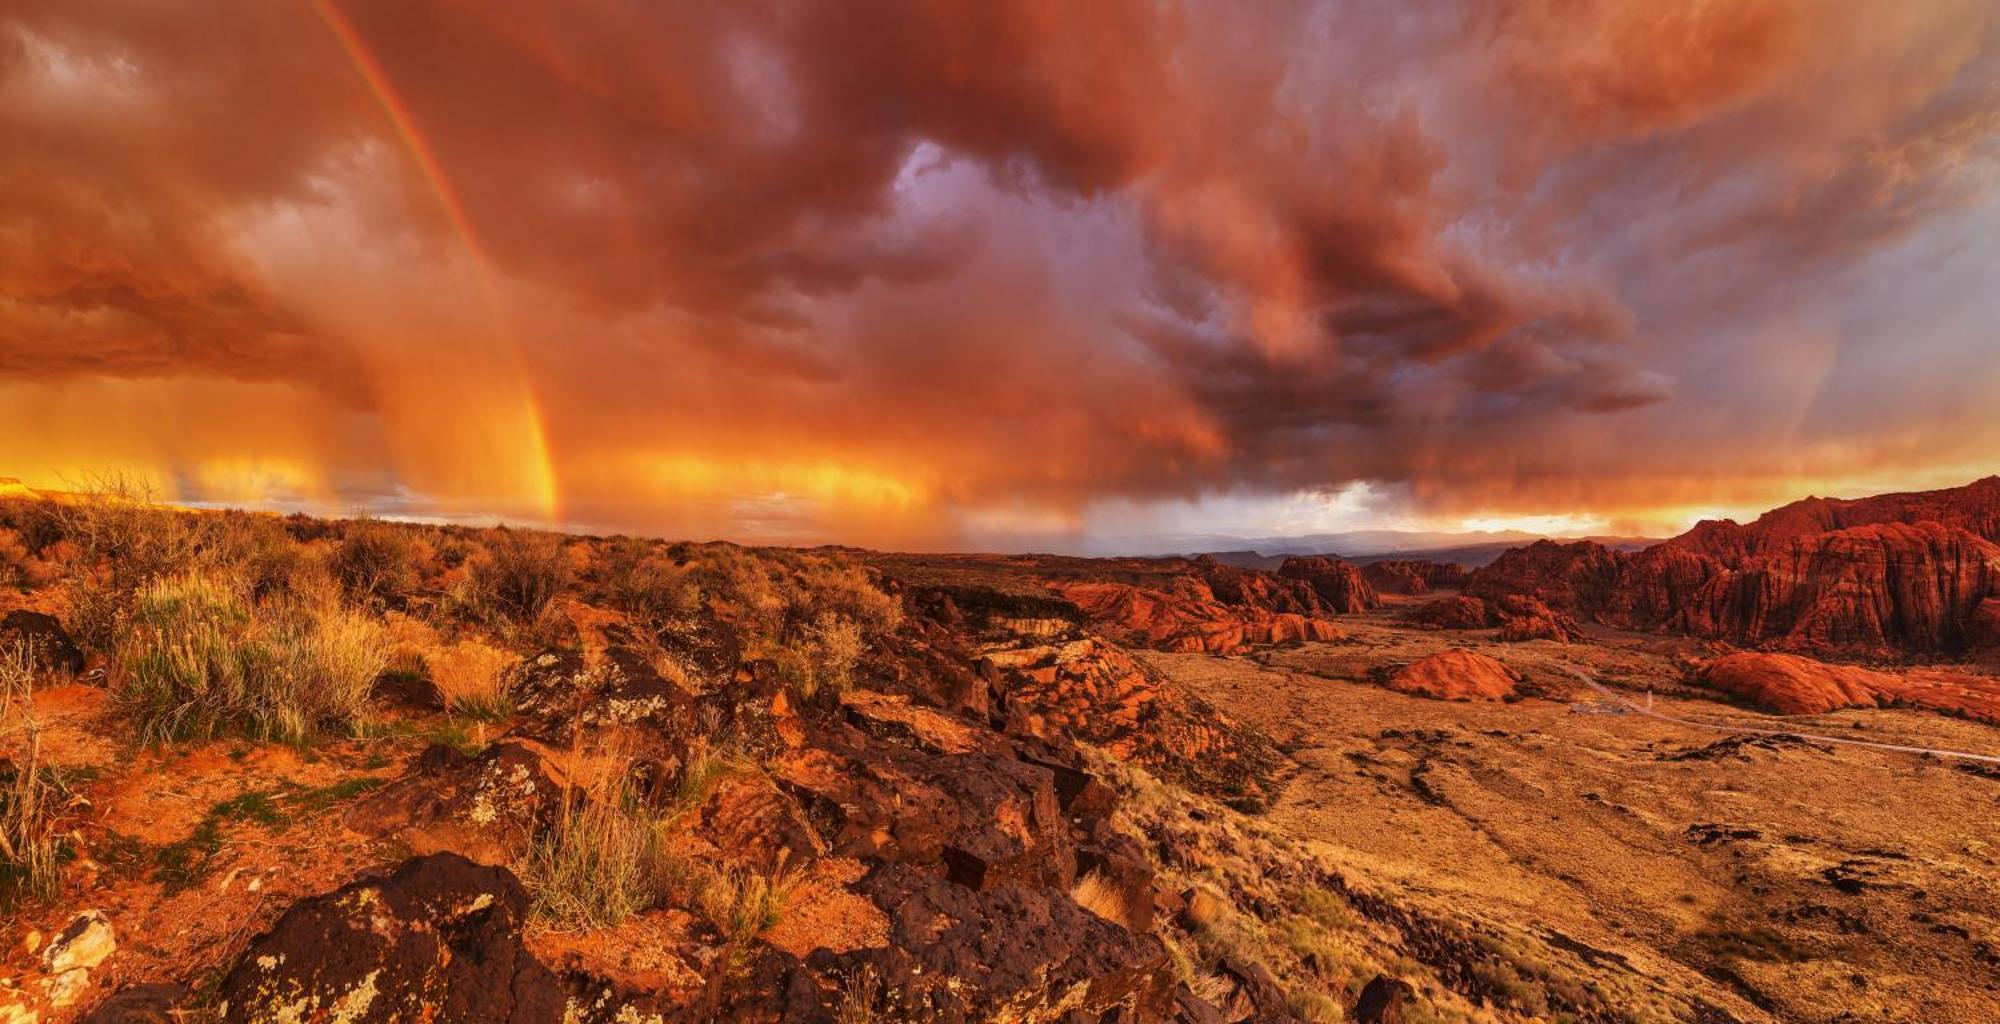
(1007, 274)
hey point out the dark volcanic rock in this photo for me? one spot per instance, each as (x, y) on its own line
(438, 939)
(486, 808)
(1382, 1001)
(140, 1004)
(1012, 952)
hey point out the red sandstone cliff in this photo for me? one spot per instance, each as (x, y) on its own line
(1896, 573)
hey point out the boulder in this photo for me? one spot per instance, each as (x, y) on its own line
(437, 939)
(82, 944)
(486, 807)
(1010, 953)
(1456, 675)
(1381, 1001)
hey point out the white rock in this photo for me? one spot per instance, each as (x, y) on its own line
(64, 988)
(83, 944)
(17, 1013)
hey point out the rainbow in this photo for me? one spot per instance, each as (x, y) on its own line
(540, 470)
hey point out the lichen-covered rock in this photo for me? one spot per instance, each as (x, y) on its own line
(82, 944)
(486, 808)
(437, 939)
(1008, 953)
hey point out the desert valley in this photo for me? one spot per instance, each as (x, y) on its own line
(267, 768)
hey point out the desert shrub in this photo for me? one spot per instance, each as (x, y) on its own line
(105, 540)
(641, 582)
(520, 574)
(31, 843)
(599, 863)
(333, 656)
(471, 678)
(18, 566)
(376, 561)
(199, 658)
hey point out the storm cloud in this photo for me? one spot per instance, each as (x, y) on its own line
(914, 272)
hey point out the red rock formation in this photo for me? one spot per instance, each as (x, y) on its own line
(1455, 612)
(1412, 576)
(1518, 616)
(1861, 577)
(1188, 619)
(1456, 675)
(1793, 685)
(1337, 583)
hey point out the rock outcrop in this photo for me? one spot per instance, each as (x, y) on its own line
(437, 939)
(952, 779)
(1518, 617)
(1793, 685)
(1899, 574)
(1342, 586)
(1412, 576)
(1189, 619)
(1456, 675)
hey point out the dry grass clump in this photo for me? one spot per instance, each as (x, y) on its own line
(1095, 893)
(471, 678)
(743, 904)
(31, 844)
(199, 657)
(600, 862)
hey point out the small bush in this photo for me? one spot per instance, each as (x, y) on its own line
(600, 863)
(378, 562)
(520, 574)
(471, 679)
(644, 584)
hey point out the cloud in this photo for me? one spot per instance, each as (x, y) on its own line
(877, 271)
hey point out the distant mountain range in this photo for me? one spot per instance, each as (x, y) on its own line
(1471, 550)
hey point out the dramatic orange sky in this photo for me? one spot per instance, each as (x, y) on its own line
(1002, 273)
